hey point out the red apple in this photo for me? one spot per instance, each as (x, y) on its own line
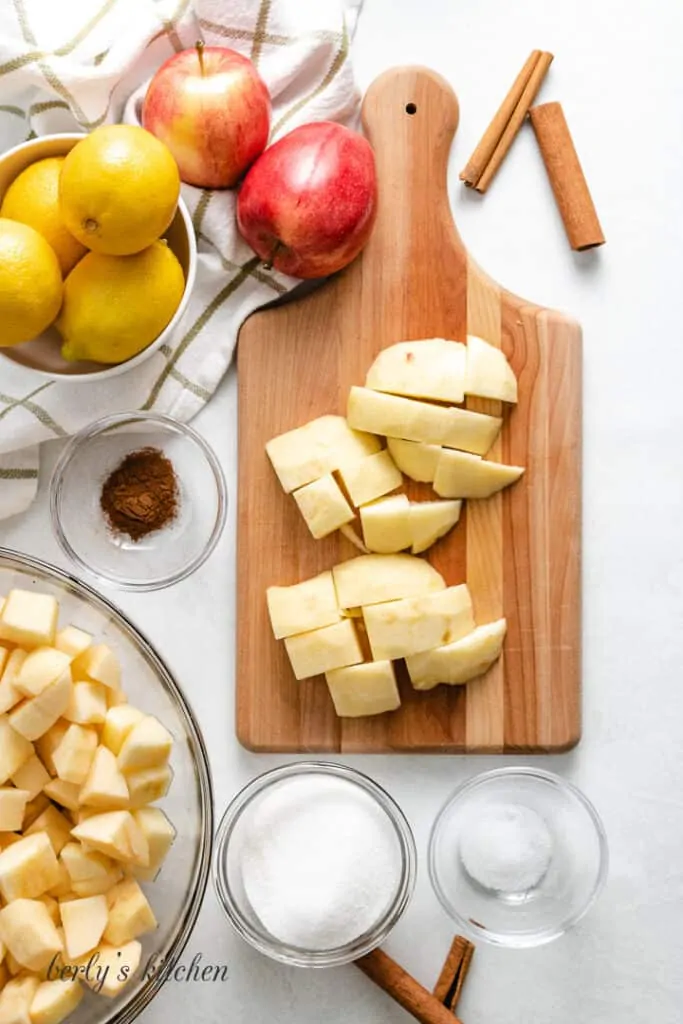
(307, 205)
(212, 109)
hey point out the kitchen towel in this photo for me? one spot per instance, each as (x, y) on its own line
(72, 66)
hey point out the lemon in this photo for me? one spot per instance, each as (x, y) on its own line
(119, 190)
(30, 283)
(33, 199)
(115, 306)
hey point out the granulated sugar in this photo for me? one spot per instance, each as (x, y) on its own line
(320, 861)
(506, 848)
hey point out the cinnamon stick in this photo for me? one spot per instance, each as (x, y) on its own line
(566, 177)
(454, 972)
(500, 134)
(407, 992)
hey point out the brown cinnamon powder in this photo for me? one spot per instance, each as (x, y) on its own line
(141, 494)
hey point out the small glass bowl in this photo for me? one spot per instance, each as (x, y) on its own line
(562, 894)
(230, 890)
(165, 556)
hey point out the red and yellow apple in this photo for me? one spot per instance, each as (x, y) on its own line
(210, 106)
(307, 206)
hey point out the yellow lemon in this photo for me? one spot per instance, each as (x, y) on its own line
(33, 199)
(30, 283)
(115, 306)
(119, 190)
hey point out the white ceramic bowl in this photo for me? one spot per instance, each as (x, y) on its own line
(42, 355)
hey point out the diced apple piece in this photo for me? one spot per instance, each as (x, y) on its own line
(460, 661)
(160, 835)
(460, 475)
(72, 641)
(323, 506)
(312, 654)
(84, 865)
(61, 888)
(319, 447)
(370, 579)
(370, 478)
(40, 668)
(431, 520)
(488, 375)
(415, 458)
(74, 755)
(116, 834)
(32, 777)
(28, 619)
(430, 368)
(130, 914)
(17, 998)
(98, 664)
(55, 825)
(29, 933)
(147, 745)
(397, 629)
(367, 689)
(148, 785)
(84, 922)
(105, 787)
(300, 608)
(386, 525)
(15, 750)
(54, 1001)
(48, 743)
(116, 968)
(12, 807)
(34, 717)
(9, 695)
(28, 868)
(34, 808)
(98, 886)
(88, 704)
(64, 793)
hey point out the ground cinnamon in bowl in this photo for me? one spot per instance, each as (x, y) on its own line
(141, 494)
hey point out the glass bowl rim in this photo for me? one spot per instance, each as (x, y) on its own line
(292, 955)
(132, 1009)
(522, 940)
(102, 426)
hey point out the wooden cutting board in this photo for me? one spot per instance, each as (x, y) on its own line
(519, 551)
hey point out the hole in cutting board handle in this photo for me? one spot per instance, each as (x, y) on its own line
(411, 108)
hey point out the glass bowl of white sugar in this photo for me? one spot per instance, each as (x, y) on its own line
(314, 864)
(517, 856)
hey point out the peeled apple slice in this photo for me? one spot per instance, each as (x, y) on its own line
(386, 525)
(489, 375)
(370, 579)
(312, 654)
(460, 661)
(415, 458)
(319, 447)
(323, 506)
(431, 520)
(432, 368)
(411, 420)
(460, 475)
(397, 629)
(303, 607)
(360, 690)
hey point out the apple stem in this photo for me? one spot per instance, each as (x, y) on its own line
(199, 46)
(268, 264)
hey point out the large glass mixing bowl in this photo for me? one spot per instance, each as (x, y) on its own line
(176, 894)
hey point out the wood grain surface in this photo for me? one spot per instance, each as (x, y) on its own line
(519, 550)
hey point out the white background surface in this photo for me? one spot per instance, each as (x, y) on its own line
(619, 75)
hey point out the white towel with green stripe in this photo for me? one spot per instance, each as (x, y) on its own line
(73, 66)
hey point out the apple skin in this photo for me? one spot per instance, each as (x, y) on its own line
(308, 204)
(211, 107)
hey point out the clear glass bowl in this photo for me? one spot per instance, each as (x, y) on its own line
(178, 891)
(165, 556)
(562, 893)
(230, 889)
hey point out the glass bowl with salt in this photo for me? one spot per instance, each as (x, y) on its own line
(138, 500)
(517, 856)
(314, 864)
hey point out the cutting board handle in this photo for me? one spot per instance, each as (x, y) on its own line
(410, 115)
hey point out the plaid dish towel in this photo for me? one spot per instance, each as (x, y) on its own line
(73, 66)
